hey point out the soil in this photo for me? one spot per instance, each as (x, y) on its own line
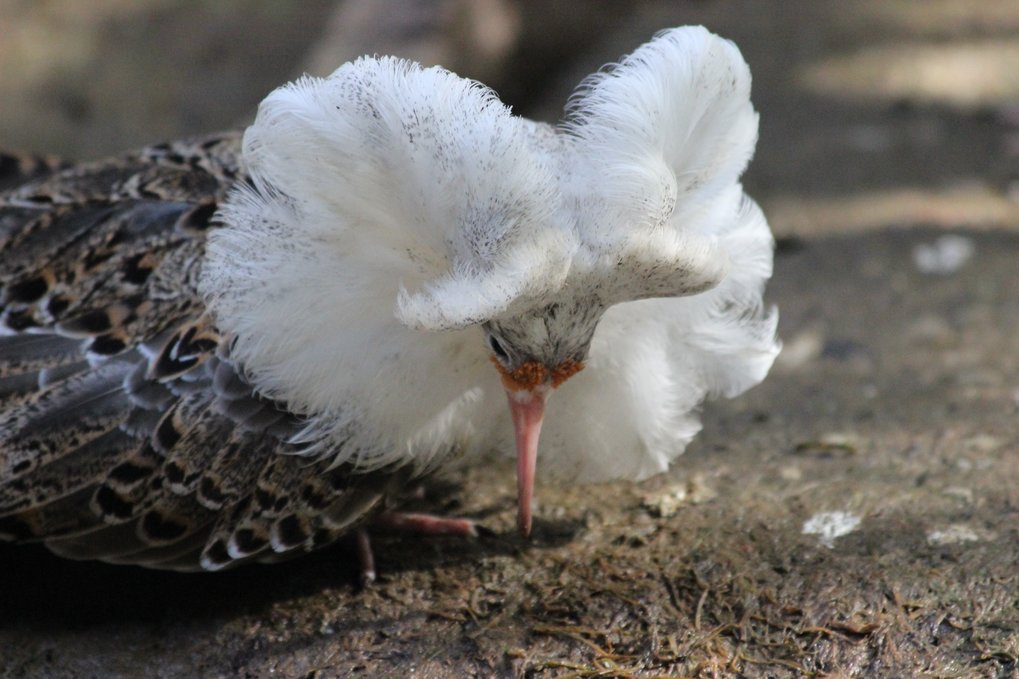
(856, 515)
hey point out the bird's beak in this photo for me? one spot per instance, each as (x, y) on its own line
(527, 407)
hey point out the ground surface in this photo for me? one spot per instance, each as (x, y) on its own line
(892, 415)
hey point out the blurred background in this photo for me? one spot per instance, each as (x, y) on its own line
(874, 113)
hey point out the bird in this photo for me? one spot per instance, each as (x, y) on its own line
(246, 346)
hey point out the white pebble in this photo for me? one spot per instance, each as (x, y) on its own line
(954, 534)
(944, 256)
(830, 525)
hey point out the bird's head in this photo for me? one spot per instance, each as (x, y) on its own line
(534, 353)
(536, 350)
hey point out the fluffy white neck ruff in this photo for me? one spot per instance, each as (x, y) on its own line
(395, 208)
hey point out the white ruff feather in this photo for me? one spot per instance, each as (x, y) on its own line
(396, 208)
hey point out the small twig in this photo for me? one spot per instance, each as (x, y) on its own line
(700, 608)
(773, 661)
(670, 587)
(576, 633)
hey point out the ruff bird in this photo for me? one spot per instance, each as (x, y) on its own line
(238, 349)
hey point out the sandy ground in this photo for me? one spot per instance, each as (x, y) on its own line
(857, 515)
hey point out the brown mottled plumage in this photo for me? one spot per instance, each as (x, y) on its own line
(126, 433)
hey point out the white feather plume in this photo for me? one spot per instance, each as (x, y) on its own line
(396, 208)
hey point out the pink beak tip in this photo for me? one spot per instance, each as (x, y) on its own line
(528, 411)
(524, 524)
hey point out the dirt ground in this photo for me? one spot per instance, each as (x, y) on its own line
(856, 515)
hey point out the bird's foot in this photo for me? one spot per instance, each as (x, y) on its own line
(427, 524)
(409, 522)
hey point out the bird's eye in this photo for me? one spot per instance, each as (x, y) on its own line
(497, 348)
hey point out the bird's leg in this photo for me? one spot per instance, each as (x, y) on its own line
(426, 524)
(365, 556)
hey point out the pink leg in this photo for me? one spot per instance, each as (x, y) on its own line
(407, 522)
(426, 524)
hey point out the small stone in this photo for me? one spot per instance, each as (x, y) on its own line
(801, 349)
(791, 473)
(832, 443)
(946, 255)
(982, 443)
(830, 525)
(666, 502)
(964, 494)
(698, 490)
(957, 533)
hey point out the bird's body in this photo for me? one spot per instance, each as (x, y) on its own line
(222, 350)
